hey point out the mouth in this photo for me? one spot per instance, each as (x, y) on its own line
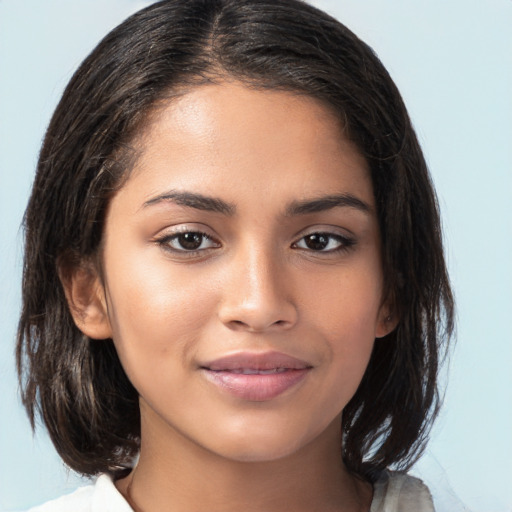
(256, 376)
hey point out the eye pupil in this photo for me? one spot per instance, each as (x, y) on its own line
(317, 241)
(190, 241)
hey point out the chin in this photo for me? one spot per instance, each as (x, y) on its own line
(256, 446)
(271, 435)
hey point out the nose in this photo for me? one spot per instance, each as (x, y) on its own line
(257, 293)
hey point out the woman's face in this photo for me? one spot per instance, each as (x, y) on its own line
(242, 272)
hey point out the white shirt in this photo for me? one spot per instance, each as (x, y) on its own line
(399, 492)
(393, 492)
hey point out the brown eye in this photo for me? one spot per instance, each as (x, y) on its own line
(188, 241)
(316, 241)
(324, 242)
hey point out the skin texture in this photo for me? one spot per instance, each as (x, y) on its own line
(254, 285)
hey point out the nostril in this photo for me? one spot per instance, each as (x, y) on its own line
(239, 325)
(254, 327)
(257, 315)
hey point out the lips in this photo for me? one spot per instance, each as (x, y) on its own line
(256, 376)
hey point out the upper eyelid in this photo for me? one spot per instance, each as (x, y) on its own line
(325, 229)
(186, 228)
(336, 231)
(171, 232)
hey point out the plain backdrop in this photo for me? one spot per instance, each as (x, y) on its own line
(452, 61)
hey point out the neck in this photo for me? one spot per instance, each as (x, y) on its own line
(180, 476)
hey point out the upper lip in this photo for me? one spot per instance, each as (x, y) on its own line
(256, 361)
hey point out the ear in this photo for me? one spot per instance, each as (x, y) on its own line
(86, 299)
(386, 322)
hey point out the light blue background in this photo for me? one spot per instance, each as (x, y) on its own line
(452, 61)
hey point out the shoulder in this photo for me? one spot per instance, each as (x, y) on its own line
(101, 496)
(78, 501)
(399, 492)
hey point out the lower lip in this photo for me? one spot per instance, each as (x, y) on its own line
(258, 387)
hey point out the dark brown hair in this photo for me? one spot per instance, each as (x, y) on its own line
(77, 384)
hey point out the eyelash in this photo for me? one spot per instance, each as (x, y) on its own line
(166, 241)
(344, 243)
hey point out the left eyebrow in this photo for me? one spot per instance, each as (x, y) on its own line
(327, 203)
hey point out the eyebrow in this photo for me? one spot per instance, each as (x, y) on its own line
(326, 203)
(304, 207)
(193, 200)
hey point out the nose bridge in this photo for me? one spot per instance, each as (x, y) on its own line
(258, 294)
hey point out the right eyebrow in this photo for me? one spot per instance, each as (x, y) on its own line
(193, 200)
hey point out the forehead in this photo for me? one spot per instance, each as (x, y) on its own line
(231, 137)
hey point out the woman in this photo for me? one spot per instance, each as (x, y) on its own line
(259, 154)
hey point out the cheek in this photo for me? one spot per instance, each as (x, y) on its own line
(155, 315)
(347, 314)
(346, 306)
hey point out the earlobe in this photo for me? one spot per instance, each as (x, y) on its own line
(387, 322)
(85, 295)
